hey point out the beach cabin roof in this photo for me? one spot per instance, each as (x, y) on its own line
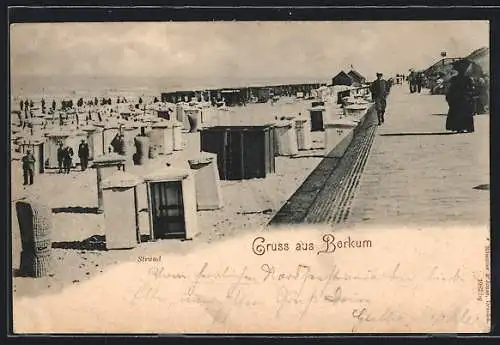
(88, 128)
(203, 158)
(59, 133)
(167, 174)
(109, 159)
(32, 140)
(121, 179)
(162, 124)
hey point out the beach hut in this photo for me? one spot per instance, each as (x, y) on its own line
(357, 110)
(177, 135)
(285, 138)
(207, 181)
(181, 116)
(316, 113)
(130, 130)
(54, 137)
(16, 117)
(171, 204)
(193, 115)
(92, 134)
(37, 125)
(121, 217)
(303, 132)
(105, 165)
(98, 137)
(243, 152)
(162, 136)
(338, 136)
(108, 134)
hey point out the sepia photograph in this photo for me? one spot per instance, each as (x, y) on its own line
(250, 177)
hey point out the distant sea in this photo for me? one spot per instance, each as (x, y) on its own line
(57, 87)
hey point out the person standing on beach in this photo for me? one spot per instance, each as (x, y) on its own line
(83, 153)
(379, 91)
(60, 157)
(28, 161)
(68, 159)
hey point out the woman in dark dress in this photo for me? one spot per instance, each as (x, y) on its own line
(460, 98)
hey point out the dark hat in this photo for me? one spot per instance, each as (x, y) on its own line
(378, 73)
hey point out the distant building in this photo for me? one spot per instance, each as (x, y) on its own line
(481, 57)
(442, 67)
(177, 96)
(356, 77)
(343, 79)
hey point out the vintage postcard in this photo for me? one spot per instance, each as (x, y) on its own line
(250, 177)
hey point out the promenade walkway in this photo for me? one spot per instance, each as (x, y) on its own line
(418, 174)
(408, 172)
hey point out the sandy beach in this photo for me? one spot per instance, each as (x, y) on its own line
(78, 232)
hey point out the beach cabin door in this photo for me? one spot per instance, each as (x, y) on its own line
(233, 147)
(167, 213)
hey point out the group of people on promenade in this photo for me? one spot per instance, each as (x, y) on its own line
(416, 81)
(461, 96)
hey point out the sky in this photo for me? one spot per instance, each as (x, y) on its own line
(244, 50)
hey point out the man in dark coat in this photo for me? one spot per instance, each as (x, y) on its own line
(412, 81)
(83, 153)
(460, 98)
(379, 90)
(28, 161)
(60, 157)
(419, 82)
(68, 159)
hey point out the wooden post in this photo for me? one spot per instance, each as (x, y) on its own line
(100, 204)
(103, 137)
(137, 228)
(150, 211)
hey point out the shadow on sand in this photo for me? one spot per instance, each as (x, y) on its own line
(439, 114)
(95, 242)
(416, 133)
(482, 187)
(76, 209)
(18, 273)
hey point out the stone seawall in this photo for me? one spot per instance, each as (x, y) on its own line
(325, 195)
